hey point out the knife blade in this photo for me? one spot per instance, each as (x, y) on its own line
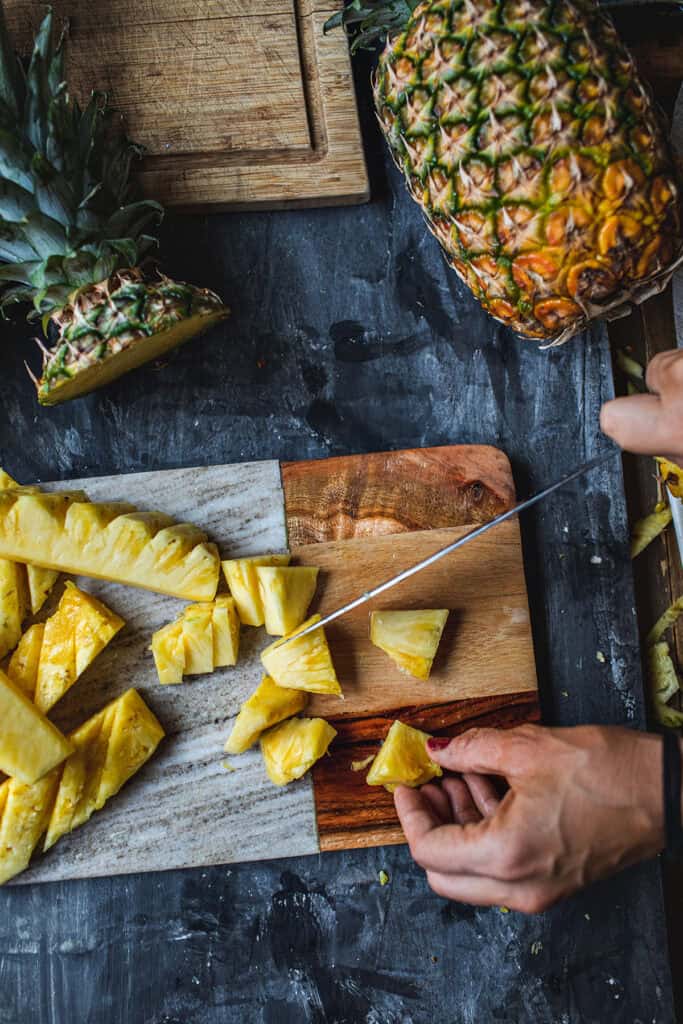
(478, 531)
(676, 504)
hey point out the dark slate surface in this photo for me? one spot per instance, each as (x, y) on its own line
(349, 334)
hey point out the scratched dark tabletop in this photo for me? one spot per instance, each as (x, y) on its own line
(349, 334)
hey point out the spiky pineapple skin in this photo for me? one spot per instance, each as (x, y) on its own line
(537, 156)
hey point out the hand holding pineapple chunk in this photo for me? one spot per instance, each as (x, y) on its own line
(403, 760)
(204, 638)
(303, 664)
(290, 749)
(410, 638)
(268, 705)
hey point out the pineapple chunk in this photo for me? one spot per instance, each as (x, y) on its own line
(304, 664)
(286, 592)
(40, 583)
(403, 759)
(226, 632)
(134, 735)
(198, 639)
(240, 575)
(268, 705)
(78, 631)
(409, 638)
(23, 665)
(24, 814)
(293, 747)
(30, 746)
(168, 649)
(13, 604)
(65, 531)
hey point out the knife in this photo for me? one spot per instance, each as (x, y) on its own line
(677, 289)
(460, 542)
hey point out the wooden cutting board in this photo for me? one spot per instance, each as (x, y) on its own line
(360, 518)
(238, 105)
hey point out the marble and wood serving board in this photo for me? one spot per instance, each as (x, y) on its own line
(360, 518)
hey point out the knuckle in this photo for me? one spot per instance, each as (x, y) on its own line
(534, 902)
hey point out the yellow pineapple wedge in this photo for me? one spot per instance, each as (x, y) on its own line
(198, 639)
(14, 604)
(240, 575)
(108, 750)
(410, 638)
(292, 747)
(403, 759)
(66, 532)
(303, 664)
(168, 649)
(73, 637)
(226, 632)
(286, 592)
(268, 705)
(40, 583)
(23, 665)
(30, 746)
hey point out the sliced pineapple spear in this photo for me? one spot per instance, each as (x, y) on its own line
(403, 759)
(268, 705)
(108, 750)
(410, 638)
(240, 575)
(304, 663)
(292, 747)
(30, 745)
(286, 592)
(112, 541)
(205, 637)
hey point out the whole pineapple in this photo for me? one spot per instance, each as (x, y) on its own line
(534, 150)
(72, 237)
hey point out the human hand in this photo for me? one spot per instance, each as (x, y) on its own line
(582, 803)
(651, 424)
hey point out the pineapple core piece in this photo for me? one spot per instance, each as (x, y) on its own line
(23, 665)
(30, 746)
(240, 575)
(303, 664)
(268, 705)
(198, 639)
(286, 592)
(226, 632)
(403, 760)
(293, 747)
(78, 631)
(409, 638)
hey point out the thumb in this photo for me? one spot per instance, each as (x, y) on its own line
(488, 751)
(637, 423)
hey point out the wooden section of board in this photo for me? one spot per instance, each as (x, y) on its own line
(484, 674)
(237, 105)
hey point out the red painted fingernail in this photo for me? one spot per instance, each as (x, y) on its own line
(438, 743)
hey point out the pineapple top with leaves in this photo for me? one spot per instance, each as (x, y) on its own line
(72, 234)
(534, 150)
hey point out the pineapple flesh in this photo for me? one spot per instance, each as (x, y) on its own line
(292, 748)
(410, 638)
(286, 592)
(403, 760)
(226, 632)
(535, 151)
(168, 650)
(204, 638)
(30, 745)
(304, 663)
(67, 532)
(240, 575)
(268, 705)
(23, 665)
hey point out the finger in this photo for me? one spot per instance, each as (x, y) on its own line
(664, 371)
(439, 801)
(463, 807)
(484, 793)
(489, 751)
(489, 892)
(437, 847)
(638, 424)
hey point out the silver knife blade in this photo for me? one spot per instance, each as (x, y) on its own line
(450, 548)
(676, 504)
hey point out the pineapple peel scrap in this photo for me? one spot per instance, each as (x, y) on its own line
(645, 530)
(672, 476)
(662, 675)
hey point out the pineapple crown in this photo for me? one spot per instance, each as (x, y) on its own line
(67, 215)
(367, 21)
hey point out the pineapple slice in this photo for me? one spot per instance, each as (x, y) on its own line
(198, 639)
(409, 638)
(30, 746)
(403, 759)
(268, 705)
(286, 592)
(40, 583)
(23, 665)
(14, 604)
(24, 814)
(78, 631)
(304, 664)
(293, 747)
(226, 632)
(168, 649)
(240, 575)
(65, 531)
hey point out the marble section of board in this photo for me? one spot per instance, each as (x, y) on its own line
(226, 815)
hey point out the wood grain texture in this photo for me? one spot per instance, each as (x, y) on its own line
(484, 673)
(235, 107)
